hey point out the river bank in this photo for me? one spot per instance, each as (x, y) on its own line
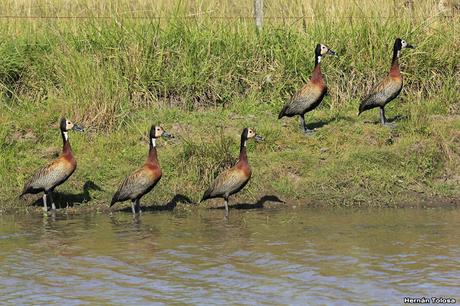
(347, 162)
(205, 79)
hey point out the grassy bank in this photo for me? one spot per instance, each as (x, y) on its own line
(205, 78)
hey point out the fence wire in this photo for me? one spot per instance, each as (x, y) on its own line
(210, 17)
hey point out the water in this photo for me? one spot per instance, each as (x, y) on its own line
(260, 256)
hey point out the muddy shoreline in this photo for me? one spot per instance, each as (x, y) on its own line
(412, 200)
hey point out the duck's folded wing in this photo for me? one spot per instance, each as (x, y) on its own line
(301, 100)
(48, 176)
(227, 182)
(384, 91)
(134, 184)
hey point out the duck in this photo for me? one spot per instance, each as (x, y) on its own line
(235, 178)
(389, 88)
(55, 173)
(143, 180)
(311, 94)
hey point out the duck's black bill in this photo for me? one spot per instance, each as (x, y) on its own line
(259, 138)
(78, 128)
(410, 46)
(331, 52)
(166, 135)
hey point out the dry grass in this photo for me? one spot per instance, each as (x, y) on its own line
(238, 8)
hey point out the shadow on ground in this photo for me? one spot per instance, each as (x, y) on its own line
(259, 204)
(178, 198)
(389, 120)
(321, 123)
(63, 199)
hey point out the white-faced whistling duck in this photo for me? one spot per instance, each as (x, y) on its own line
(142, 181)
(389, 88)
(234, 179)
(57, 172)
(311, 94)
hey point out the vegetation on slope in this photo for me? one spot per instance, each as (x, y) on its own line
(205, 79)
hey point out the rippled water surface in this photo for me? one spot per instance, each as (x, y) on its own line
(264, 256)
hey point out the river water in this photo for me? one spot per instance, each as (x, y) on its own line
(303, 256)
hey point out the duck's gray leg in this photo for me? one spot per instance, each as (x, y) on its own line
(133, 206)
(383, 119)
(53, 206)
(226, 207)
(303, 125)
(138, 206)
(45, 206)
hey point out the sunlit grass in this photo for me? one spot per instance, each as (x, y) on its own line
(205, 78)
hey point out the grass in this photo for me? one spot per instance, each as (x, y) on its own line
(204, 79)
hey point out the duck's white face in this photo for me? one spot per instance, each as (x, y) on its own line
(251, 133)
(158, 131)
(405, 44)
(68, 125)
(324, 49)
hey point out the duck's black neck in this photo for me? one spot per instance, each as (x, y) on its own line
(65, 142)
(396, 52)
(394, 69)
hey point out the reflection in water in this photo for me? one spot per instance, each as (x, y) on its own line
(274, 256)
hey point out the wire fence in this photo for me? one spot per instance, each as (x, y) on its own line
(207, 16)
(257, 10)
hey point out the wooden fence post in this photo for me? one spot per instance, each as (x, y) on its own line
(259, 14)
